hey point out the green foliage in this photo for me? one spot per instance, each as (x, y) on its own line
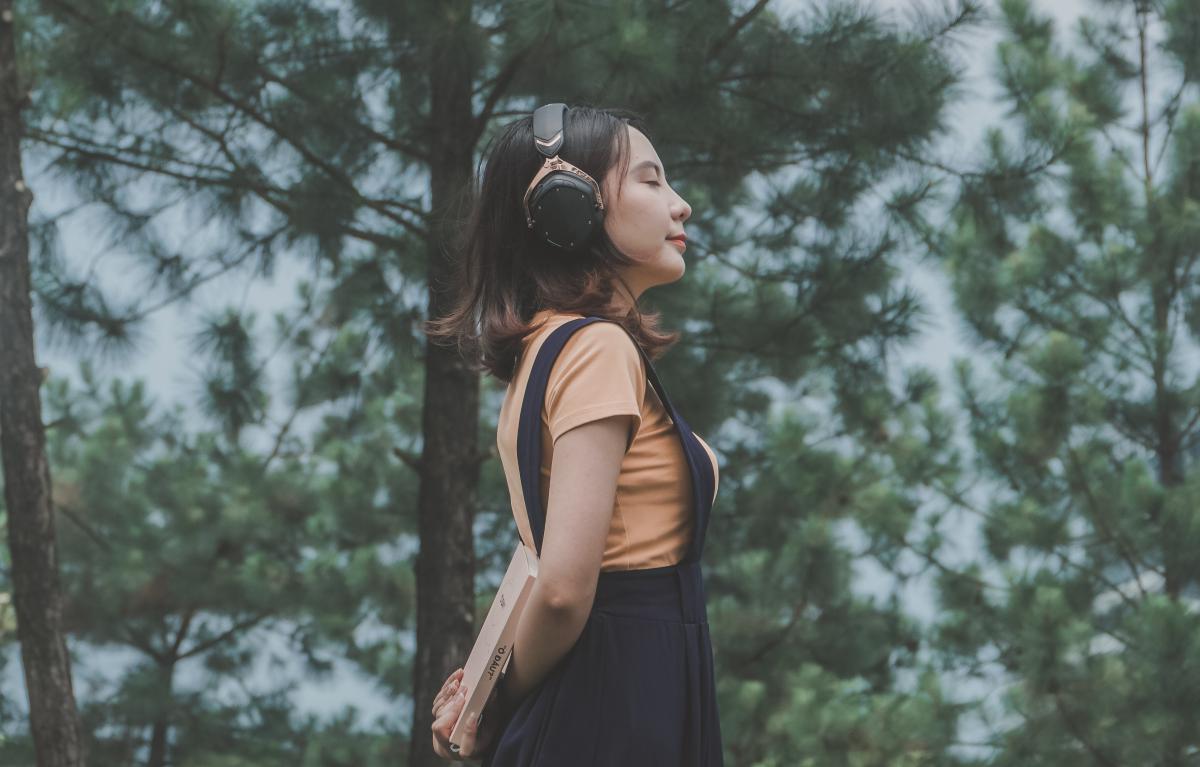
(1075, 269)
(299, 135)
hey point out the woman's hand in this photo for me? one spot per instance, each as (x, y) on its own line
(447, 706)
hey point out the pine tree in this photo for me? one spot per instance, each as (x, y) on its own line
(348, 134)
(30, 524)
(206, 560)
(1072, 253)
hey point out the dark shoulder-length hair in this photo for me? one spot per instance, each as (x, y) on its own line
(504, 275)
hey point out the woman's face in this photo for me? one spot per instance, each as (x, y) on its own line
(642, 214)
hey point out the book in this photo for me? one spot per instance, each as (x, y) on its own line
(492, 650)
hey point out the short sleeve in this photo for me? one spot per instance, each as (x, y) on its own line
(598, 373)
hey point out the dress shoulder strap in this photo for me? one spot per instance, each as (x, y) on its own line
(529, 434)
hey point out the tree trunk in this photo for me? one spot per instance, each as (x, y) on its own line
(449, 461)
(54, 720)
(158, 743)
(162, 724)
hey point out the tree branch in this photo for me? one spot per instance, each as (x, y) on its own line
(731, 34)
(502, 81)
(87, 529)
(257, 116)
(208, 644)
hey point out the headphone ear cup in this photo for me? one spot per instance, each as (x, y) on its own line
(564, 212)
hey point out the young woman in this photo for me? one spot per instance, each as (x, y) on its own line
(612, 664)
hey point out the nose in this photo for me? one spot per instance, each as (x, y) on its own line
(682, 210)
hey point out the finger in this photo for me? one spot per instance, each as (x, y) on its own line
(441, 750)
(451, 681)
(448, 705)
(448, 716)
(451, 684)
(470, 729)
(448, 690)
(470, 734)
(454, 680)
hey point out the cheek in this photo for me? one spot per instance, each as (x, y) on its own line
(624, 219)
(634, 222)
(635, 218)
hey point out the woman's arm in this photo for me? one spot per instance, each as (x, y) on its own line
(583, 488)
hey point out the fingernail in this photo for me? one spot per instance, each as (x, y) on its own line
(473, 718)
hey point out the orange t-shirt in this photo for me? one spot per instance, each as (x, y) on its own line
(600, 373)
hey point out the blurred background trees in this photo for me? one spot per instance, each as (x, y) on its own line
(1072, 251)
(280, 184)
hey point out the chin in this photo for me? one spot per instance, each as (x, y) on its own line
(667, 276)
(680, 267)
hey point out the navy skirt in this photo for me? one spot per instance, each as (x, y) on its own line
(636, 689)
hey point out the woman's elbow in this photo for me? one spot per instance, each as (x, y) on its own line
(569, 600)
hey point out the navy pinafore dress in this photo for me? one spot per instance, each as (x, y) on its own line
(637, 688)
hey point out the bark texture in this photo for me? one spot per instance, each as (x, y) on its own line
(54, 719)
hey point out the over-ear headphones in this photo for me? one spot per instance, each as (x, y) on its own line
(562, 205)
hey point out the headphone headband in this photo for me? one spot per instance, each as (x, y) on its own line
(548, 124)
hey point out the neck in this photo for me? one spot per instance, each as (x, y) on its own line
(622, 299)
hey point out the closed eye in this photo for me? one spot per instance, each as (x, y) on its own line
(655, 183)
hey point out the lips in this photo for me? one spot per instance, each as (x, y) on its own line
(680, 238)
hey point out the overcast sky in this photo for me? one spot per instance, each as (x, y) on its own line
(164, 361)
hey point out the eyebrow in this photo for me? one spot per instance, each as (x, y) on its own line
(647, 164)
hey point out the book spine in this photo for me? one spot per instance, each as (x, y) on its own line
(501, 653)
